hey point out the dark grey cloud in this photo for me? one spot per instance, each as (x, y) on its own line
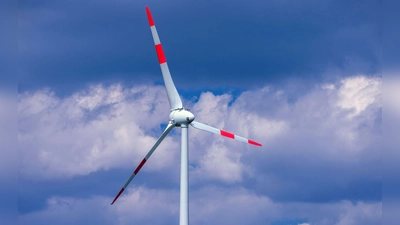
(68, 44)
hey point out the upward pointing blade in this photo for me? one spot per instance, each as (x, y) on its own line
(173, 96)
(164, 134)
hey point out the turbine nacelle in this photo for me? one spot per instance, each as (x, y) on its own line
(181, 116)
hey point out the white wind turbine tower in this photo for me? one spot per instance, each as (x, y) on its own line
(178, 117)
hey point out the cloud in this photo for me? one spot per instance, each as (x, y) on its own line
(90, 131)
(268, 41)
(320, 150)
(210, 205)
(357, 93)
(222, 158)
(390, 148)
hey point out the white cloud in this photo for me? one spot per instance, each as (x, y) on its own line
(357, 93)
(218, 157)
(219, 163)
(390, 148)
(209, 205)
(322, 133)
(391, 95)
(111, 127)
(99, 129)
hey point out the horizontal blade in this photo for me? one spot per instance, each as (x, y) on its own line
(202, 126)
(164, 134)
(175, 101)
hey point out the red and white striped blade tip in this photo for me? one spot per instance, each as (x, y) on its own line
(254, 143)
(116, 197)
(233, 136)
(149, 17)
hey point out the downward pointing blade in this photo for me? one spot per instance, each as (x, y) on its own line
(164, 134)
(173, 96)
(227, 134)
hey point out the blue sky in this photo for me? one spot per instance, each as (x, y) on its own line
(302, 78)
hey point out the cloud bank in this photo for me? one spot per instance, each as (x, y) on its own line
(210, 206)
(319, 164)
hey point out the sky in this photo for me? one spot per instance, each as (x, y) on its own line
(304, 78)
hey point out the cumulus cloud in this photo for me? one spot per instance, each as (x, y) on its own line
(210, 205)
(320, 158)
(334, 130)
(92, 130)
(221, 158)
(357, 93)
(108, 127)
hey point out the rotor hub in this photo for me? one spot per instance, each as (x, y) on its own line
(181, 116)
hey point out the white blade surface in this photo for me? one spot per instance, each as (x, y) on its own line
(204, 127)
(164, 134)
(173, 96)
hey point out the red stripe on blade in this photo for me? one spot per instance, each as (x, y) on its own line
(140, 166)
(160, 54)
(149, 17)
(254, 143)
(119, 193)
(227, 134)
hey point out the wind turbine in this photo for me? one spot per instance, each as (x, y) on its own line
(178, 117)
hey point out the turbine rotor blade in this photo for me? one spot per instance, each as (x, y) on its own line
(227, 134)
(160, 139)
(173, 95)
